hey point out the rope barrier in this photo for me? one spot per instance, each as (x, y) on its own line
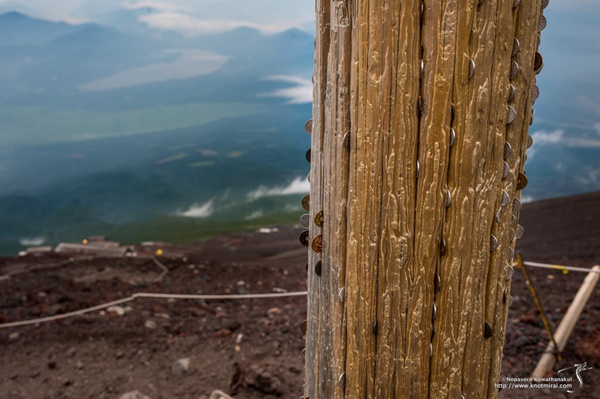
(150, 295)
(564, 269)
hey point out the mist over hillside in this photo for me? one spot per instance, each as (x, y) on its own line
(115, 127)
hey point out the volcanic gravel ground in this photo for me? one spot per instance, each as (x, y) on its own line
(166, 348)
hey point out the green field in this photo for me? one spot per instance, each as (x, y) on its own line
(35, 125)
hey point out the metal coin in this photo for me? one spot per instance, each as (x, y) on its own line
(520, 231)
(471, 68)
(342, 380)
(304, 220)
(448, 198)
(341, 294)
(542, 23)
(516, 47)
(442, 246)
(317, 244)
(308, 126)
(517, 206)
(430, 349)
(418, 168)
(307, 155)
(498, 215)
(304, 238)
(535, 92)
(511, 92)
(505, 171)
(516, 3)
(303, 327)
(507, 149)
(493, 243)
(545, 4)
(505, 198)
(521, 181)
(303, 353)
(452, 136)
(510, 273)
(319, 219)
(529, 142)
(346, 141)
(487, 331)
(514, 69)
(437, 281)
(538, 63)
(318, 268)
(510, 117)
(306, 202)
(434, 314)
(422, 67)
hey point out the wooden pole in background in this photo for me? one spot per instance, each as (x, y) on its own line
(420, 119)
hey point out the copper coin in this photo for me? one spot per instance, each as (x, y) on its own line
(318, 268)
(317, 244)
(306, 202)
(542, 23)
(308, 126)
(538, 63)
(307, 155)
(522, 181)
(303, 327)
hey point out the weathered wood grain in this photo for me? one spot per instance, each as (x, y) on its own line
(392, 79)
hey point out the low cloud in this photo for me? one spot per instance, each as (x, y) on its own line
(297, 186)
(155, 4)
(199, 211)
(192, 26)
(300, 93)
(190, 64)
(32, 241)
(255, 215)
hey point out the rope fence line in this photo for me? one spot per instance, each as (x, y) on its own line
(150, 295)
(564, 269)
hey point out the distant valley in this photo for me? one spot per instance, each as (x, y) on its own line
(122, 130)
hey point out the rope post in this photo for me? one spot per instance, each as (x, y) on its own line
(567, 324)
(420, 116)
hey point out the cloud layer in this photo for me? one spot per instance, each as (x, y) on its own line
(297, 186)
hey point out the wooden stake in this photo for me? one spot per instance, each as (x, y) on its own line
(567, 324)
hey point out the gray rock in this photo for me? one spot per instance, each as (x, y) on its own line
(134, 395)
(181, 366)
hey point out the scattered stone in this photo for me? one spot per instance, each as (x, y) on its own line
(524, 340)
(258, 377)
(134, 395)
(119, 354)
(119, 310)
(71, 352)
(150, 324)
(238, 339)
(273, 311)
(222, 333)
(13, 336)
(79, 365)
(181, 366)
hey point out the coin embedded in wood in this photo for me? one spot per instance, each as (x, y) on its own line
(471, 68)
(319, 219)
(514, 69)
(545, 4)
(521, 181)
(507, 149)
(511, 92)
(511, 115)
(308, 126)
(516, 47)
(442, 246)
(510, 273)
(520, 231)
(304, 238)
(306, 202)
(517, 206)
(505, 198)
(436, 282)
(516, 3)
(542, 23)
(487, 331)
(538, 63)
(317, 244)
(307, 155)
(535, 92)
(318, 268)
(346, 141)
(493, 243)
(452, 136)
(506, 171)
(304, 220)
(529, 142)
(303, 327)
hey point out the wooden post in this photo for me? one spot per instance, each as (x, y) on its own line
(420, 119)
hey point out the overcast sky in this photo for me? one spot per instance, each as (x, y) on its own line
(193, 17)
